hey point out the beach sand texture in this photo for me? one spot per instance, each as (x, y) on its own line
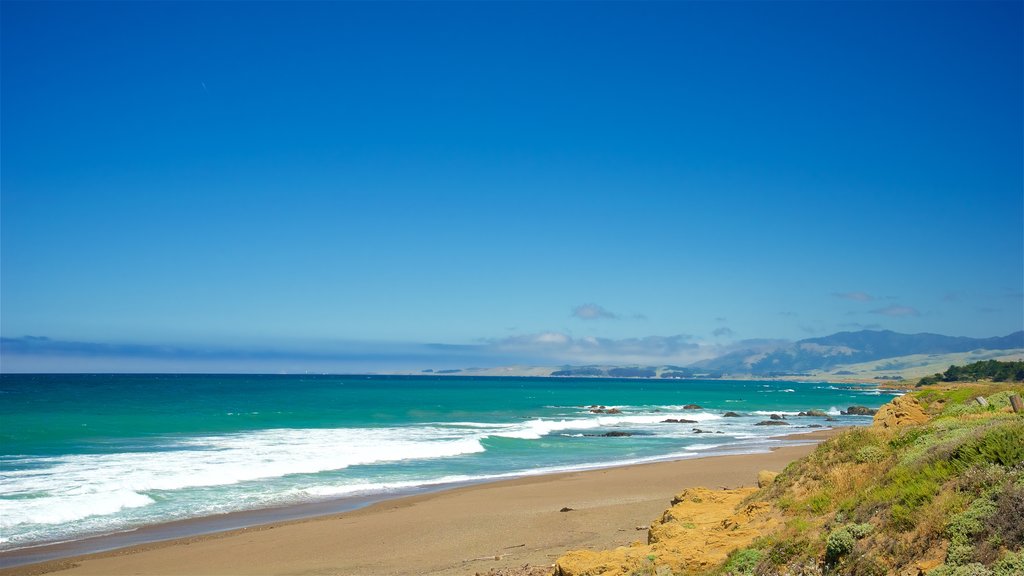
(461, 531)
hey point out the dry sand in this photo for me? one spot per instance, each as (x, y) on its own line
(461, 531)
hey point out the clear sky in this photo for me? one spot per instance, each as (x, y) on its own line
(376, 183)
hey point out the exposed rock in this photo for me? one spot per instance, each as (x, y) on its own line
(902, 411)
(777, 417)
(613, 411)
(815, 426)
(695, 534)
(597, 411)
(616, 434)
(772, 423)
(860, 411)
(699, 431)
(730, 415)
(566, 509)
(815, 413)
(830, 419)
(692, 407)
(678, 421)
(765, 477)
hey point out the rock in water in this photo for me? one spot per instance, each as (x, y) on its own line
(692, 407)
(860, 411)
(730, 415)
(772, 423)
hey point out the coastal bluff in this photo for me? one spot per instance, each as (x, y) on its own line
(933, 486)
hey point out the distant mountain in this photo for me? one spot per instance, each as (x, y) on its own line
(848, 348)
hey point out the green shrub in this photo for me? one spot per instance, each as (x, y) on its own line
(1010, 565)
(961, 409)
(1000, 400)
(959, 553)
(870, 454)
(743, 562)
(971, 522)
(839, 543)
(859, 530)
(1001, 444)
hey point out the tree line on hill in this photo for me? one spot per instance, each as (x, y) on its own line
(993, 370)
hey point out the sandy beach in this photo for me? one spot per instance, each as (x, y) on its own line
(460, 531)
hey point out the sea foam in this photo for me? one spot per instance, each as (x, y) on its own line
(54, 490)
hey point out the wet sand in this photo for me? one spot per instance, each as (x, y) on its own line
(459, 531)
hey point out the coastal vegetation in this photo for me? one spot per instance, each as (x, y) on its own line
(934, 486)
(993, 370)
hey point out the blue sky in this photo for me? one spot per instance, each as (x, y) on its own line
(391, 184)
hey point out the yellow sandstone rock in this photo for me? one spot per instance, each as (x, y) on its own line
(765, 477)
(902, 411)
(695, 534)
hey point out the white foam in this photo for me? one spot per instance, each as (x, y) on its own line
(538, 428)
(73, 487)
(63, 509)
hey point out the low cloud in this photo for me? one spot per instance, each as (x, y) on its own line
(896, 311)
(855, 296)
(40, 354)
(593, 312)
(723, 331)
(563, 348)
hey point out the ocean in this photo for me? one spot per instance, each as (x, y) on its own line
(86, 455)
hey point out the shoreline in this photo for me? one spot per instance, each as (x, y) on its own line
(119, 552)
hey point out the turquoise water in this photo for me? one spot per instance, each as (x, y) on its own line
(83, 455)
